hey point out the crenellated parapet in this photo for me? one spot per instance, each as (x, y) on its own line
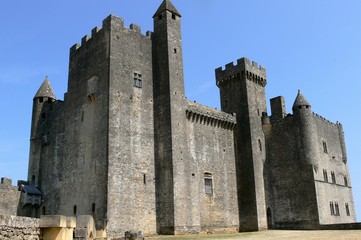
(245, 69)
(107, 24)
(325, 120)
(208, 116)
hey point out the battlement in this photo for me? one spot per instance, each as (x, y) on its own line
(325, 120)
(111, 21)
(208, 116)
(244, 69)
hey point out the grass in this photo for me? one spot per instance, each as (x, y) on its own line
(274, 235)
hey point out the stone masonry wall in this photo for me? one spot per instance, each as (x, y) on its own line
(9, 197)
(19, 228)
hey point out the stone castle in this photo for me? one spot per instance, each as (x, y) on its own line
(128, 148)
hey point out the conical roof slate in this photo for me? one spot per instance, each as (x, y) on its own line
(45, 90)
(300, 101)
(166, 5)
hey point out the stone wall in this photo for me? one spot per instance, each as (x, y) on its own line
(19, 228)
(9, 197)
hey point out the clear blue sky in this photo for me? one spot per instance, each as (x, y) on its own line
(312, 45)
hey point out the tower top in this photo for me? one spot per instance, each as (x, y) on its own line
(166, 6)
(300, 101)
(45, 90)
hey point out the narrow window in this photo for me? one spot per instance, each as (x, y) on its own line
(260, 144)
(325, 177)
(333, 177)
(337, 210)
(347, 209)
(174, 16)
(332, 208)
(93, 208)
(41, 99)
(345, 181)
(50, 100)
(324, 144)
(208, 184)
(258, 112)
(82, 115)
(33, 180)
(160, 17)
(74, 210)
(144, 179)
(175, 50)
(137, 80)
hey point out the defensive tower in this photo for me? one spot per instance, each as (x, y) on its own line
(41, 104)
(242, 91)
(172, 160)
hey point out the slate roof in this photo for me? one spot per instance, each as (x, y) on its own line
(45, 90)
(31, 189)
(300, 100)
(166, 5)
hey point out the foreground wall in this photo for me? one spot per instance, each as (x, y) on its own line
(13, 227)
(9, 197)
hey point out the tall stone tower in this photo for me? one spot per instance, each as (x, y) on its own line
(38, 137)
(242, 91)
(171, 160)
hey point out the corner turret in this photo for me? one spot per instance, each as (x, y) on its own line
(306, 130)
(42, 103)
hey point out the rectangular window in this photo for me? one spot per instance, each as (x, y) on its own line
(337, 212)
(208, 184)
(345, 181)
(324, 144)
(325, 177)
(137, 80)
(333, 177)
(332, 208)
(347, 209)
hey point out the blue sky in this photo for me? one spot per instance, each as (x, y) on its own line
(310, 45)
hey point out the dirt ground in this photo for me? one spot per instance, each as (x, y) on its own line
(274, 235)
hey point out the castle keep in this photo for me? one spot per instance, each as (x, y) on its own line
(128, 148)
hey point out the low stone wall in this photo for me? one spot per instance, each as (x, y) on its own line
(345, 226)
(19, 228)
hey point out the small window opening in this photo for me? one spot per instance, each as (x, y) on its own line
(260, 144)
(175, 50)
(325, 177)
(144, 179)
(345, 181)
(299, 107)
(82, 115)
(137, 80)
(208, 184)
(50, 100)
(160, 17)
(333, 177)
(193, 174)
(41, 99)
(324, 144)
(43, 115)
(332, 208)
(33, 180)
(174, 16)
(347, 209)
(74, 210)
(337, 212)
(93, 208)
(258, 112)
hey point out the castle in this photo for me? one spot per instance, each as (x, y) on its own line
(128, 148)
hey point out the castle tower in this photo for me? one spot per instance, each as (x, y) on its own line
(172, 163)
(242, 91)
(306, 130)
(41, 99)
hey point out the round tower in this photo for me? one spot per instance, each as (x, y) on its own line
(307, 130)
(41, 102)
